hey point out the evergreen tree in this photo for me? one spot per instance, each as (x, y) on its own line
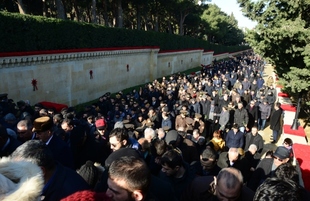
(282, 36)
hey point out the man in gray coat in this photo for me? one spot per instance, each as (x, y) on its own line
(241, 117)
(224, 118)
(264, 109)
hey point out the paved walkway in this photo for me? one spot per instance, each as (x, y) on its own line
(267, 133)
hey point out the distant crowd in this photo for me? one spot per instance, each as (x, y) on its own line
(183, 137)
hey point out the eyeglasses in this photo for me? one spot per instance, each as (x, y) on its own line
(279, 159)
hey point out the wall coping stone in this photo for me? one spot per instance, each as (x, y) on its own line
(179, 52)
(19, 61)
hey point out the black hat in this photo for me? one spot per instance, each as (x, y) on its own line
(282, 152)
(21, 103)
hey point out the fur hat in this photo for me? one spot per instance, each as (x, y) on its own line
(42, 124)
(28, 180)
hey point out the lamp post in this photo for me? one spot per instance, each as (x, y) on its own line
(295, 124)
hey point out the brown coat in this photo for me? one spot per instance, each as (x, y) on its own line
(200, 125)
(180, 122)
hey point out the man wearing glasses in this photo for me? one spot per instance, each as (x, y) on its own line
(119, 138)
(267, 167)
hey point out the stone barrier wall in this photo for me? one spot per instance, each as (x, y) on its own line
(83, 75)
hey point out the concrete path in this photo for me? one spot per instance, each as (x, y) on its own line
(267, 133)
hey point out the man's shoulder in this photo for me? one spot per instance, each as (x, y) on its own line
(65, 182)
(203, 180)
(14, 143)
(188, 142)
(57, 142)
(247, 194)
(265, 162)
(258, 137)
(239, 133)
(230, 132)
(71, 178)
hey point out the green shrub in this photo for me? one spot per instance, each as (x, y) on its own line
(20, 33)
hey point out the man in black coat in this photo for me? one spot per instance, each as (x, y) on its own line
(78, 141)
(252, 113)
(59, 181)
(7, 144)
(254, 137)
(60, 150)
(275, 121)
(233, 159)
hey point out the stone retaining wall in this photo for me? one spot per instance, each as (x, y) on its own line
(64, 77)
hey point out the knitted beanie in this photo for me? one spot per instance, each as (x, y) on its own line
(87, 195)
(89, 172)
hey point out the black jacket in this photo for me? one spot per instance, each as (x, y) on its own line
(10, 148)
(275, 120)
(253, 115)
(258, 141)
(61, 152)
(63, 183)
(241, 164)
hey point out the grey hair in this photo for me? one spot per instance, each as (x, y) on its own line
(253, 147)
(149, 133)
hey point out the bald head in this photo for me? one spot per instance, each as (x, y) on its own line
(229, 183)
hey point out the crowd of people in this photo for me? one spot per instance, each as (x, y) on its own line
(183, 137)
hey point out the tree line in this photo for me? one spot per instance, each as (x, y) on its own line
(182, 17)
(282, 36)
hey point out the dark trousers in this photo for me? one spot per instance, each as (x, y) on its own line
(211, 126)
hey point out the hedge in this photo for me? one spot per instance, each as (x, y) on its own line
(19, 33)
